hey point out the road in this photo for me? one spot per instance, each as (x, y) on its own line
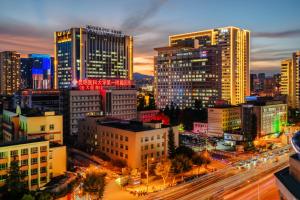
(218, 184)
(261, 189)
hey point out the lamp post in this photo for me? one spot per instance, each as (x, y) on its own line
(148, 171)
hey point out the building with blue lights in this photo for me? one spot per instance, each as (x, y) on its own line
(36, 72)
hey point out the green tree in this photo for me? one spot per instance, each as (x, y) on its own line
(15, 180)
(185, 150)
(163, 169)
(152, 105)
(198, 161)
(28, 197)
(181, 163)
(171, 143)
(42, 195)
(94, 184)
(141, 103)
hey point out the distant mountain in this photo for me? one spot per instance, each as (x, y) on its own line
(139, 76)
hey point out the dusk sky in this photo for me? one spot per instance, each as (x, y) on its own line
(28, 26)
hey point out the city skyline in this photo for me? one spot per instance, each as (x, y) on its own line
(274, 34)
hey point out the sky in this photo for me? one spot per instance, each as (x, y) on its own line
(27, 26)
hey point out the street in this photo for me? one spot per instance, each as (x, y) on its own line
(222, 182)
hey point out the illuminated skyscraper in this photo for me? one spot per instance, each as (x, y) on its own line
(290, 80)
(233, 80)
(10, 72)
(36, 71)
(91, 52)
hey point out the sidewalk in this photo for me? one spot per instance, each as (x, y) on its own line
(114, 192)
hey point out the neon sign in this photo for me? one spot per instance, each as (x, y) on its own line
(97, 84)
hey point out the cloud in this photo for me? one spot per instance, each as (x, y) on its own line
(280, 34)
(141, 15)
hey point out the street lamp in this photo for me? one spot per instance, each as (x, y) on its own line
(148, 170)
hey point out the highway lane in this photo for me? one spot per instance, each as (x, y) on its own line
(262, 189)
(217, 183)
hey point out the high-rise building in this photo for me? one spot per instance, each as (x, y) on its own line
(183, 75)
(253, 77)
(10, 72)
(36, 72)
(290, 80)
(228, 77)
(90, 53)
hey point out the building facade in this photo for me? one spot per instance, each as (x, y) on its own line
(38, 161)
(200, 128)
(266, 116)
(90, 53)
(43, 100)
(290, 80)
(26, 126)
(10, 72)
(223, 119)
(77, 105)
(36, 72)
(183, 75)
(231, 74)
(147, 115)
(123, 140)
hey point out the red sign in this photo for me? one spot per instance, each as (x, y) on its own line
(97, 84)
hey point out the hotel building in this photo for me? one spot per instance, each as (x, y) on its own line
(206, 65)
(290, 80)
(91, 53)
(39, 161)
(25, 126)
(133, 142)
(223, 119)
(10, 72)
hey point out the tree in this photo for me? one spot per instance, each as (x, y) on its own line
(205, 158)
(171, 143)
(181, 163)
(184, 150)
(28, 197)
(94, 184)
(15, 180)
(42, 195)
(141, 103)
(198, 161)
(152, 105)
(163, 169)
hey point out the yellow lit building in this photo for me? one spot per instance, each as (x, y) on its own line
(133, 142)
(233, 80)
(223, 119)
(290, 80)
(45, 125)
(38, 161)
